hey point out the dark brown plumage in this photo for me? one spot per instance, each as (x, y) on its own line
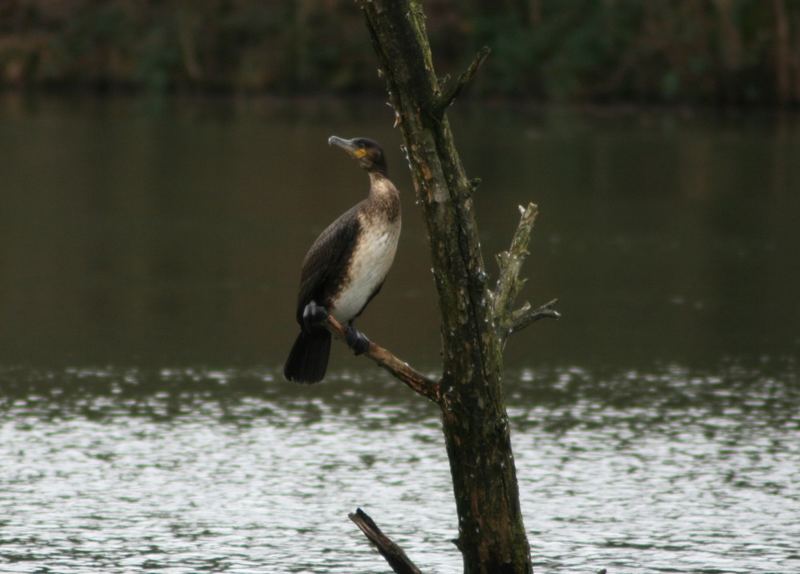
(345, 266)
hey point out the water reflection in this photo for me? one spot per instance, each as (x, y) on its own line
(175, 238)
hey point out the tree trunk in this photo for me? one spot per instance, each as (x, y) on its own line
(491, 532)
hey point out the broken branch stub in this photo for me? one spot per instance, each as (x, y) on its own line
(463, 81)
(393, 554)
(526, 315)
(509, 282)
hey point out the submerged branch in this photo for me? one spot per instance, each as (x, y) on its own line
(449, 96)
(524, 316)
(510, 262)
(394, 555)
(418, 382)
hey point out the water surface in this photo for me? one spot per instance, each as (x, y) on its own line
(148, 267)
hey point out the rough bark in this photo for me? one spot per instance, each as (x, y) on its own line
(491, 533)
(509, 283)
(393, 554)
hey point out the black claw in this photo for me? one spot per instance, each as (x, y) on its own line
(356, 340)
(313, 316)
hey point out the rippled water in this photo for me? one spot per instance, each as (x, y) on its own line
(148, 268)
(114, 470)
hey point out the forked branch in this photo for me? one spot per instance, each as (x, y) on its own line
(418, 382)
(526, 315)
(394, 555)
(509, 283)
(455, 90)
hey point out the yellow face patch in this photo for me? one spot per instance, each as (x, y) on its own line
(359, 153)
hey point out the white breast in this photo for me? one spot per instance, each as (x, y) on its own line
(370, 263)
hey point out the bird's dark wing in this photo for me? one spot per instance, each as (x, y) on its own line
(325, 262)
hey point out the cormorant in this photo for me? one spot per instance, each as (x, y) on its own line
(346, 266)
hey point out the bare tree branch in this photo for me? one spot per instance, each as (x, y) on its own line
(525, 315)
(449, 96)
(510, 262)
(394, 555)
(492, 536)
(415, 380)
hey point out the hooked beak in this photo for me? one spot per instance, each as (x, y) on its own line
(347, 145)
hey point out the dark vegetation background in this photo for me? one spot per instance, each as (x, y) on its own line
(739, 52)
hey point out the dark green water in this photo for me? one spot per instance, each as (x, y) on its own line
(148, 267)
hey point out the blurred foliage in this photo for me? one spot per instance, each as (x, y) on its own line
(711, 51)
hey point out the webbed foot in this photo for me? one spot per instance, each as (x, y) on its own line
(314, 316)
(356, 340)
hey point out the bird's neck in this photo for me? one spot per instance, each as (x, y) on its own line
(383, 200)
(380, 186)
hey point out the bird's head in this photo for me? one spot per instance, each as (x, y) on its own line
(368, 153)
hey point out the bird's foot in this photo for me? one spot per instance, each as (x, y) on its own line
(314, 316)
(356, 340)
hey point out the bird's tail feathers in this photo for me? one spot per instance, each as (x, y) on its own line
(308, 359)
